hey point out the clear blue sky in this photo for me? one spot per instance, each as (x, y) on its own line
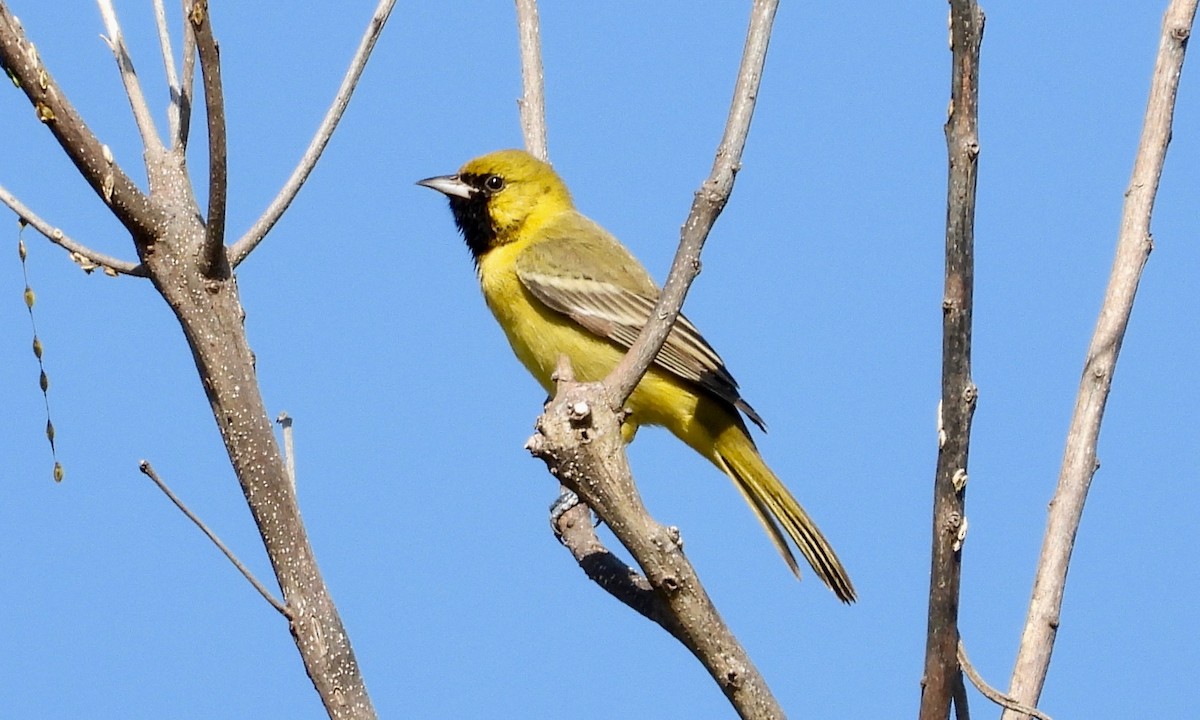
(821, 288)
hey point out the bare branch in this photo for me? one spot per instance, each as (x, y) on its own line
(215, 263)
(20, 60)
(210, 313)
(250, 240)
(579, 438)
(597, 561)
(532, 102)
(82, 255)
(133, 89)
(575, 530)
(990, 692)
(1079, 458)
(168, 56)
(579, 435)
(706, 207)
(180, 140)
(962, 710)
(148, 470)
(942, 676)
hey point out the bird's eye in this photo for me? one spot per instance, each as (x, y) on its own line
(493, 183)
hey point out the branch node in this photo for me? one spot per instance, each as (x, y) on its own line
(580, 413)
(959, 480)
(252, 237)
(970, 394)
(675, 536)
(536, 445)
(960, 536)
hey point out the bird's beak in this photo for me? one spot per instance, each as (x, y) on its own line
(449, 185)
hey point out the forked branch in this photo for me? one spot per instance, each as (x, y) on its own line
(579, 435)
(214, 264)
(250, 240)
(187, 267)
(95, 162)
(82, 255)
(579, 438)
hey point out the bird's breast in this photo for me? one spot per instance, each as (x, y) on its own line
(539, 335)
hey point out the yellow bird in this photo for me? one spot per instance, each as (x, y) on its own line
(559, 283)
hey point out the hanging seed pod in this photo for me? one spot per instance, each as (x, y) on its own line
(38, 352)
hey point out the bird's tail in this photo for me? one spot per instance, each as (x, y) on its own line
(777, 510)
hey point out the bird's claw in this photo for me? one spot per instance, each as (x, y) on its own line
(566, 500)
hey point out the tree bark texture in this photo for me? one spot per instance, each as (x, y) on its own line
(1079, 457)
(942, 673)
(186, 261)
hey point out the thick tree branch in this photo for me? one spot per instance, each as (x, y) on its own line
(942, 676)
(579, 438)
(1079, 458)
(133, 89)
(250, 240)
(84, 256)
(579, 435)
(177, 250)
(94, 160)
(214, 263)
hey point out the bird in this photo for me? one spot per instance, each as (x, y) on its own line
(558, 283)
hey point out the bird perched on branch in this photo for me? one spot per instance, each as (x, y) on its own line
(558, 283)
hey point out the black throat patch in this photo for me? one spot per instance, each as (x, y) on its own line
(473, 219)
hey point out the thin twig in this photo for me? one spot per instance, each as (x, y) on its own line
(706, 207)
(532, 105)
(962, 707)
(215, 264)
(133, 89)
(942, 677)
(84, 256)
(130, 205)
(168, 56)
(992, 693)
(1079, 457)
(148, 471)
(186, 92)
(532, 102)
(250, 240)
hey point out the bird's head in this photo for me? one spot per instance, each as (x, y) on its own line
(497, 197)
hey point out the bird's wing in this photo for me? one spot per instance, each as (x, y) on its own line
(601, 303)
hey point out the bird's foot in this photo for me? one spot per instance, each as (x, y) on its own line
(566, 500)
